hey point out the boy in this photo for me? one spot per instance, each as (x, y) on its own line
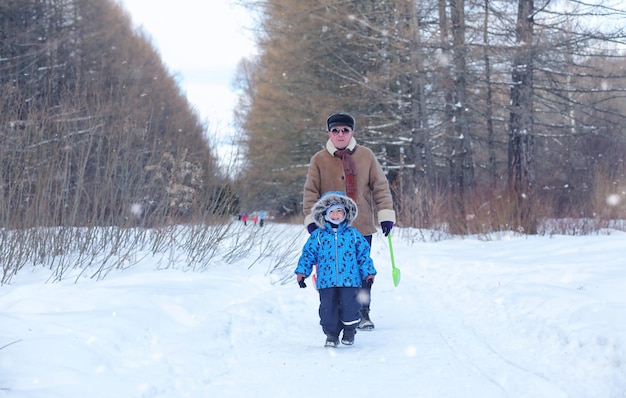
(343, 261)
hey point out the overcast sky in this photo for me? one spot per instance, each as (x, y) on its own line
(201, 43)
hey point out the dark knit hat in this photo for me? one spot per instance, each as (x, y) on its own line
(340, 119)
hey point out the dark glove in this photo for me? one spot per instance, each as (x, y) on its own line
(386, 227)
(301, 278)
(311, 227)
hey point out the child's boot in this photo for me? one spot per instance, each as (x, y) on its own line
(348, 337)
(331, 340)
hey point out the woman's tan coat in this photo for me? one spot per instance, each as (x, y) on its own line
(373, 195)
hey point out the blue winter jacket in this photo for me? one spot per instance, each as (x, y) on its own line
(342, 256)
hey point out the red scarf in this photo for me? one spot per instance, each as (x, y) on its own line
(349, 170)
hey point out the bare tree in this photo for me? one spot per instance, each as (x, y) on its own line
(453, 95)
(89, 112)
(521, 126)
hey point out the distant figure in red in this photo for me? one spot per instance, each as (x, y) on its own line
(255, 219)
(244, 218)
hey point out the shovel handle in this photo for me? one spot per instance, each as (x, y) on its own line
(393, 261)
(395, 272)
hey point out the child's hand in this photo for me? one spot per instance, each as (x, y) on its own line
(301, 278)
(369, 280)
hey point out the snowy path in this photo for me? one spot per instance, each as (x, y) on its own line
(517, 317)
(429, 348)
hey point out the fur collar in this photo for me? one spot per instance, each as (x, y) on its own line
(330, 147)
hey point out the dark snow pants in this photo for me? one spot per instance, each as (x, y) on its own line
(339, 309)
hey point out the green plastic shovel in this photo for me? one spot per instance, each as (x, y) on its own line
(395, 272)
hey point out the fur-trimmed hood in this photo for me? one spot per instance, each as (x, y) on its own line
(318, 211)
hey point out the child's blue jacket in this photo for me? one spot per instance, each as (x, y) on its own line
(342, 256)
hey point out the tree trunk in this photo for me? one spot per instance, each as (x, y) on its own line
(521, 135)
(420, 150)
(491, 146)
(461, 119)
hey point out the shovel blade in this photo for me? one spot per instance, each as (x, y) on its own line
(395, 273)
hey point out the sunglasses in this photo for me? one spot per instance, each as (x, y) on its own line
(344, 130)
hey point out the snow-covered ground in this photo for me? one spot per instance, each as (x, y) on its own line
(512, 316)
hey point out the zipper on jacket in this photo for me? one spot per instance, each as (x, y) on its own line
(336, 257)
